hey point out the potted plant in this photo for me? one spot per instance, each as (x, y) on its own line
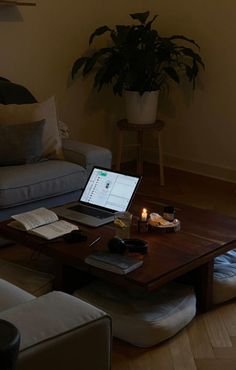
(140, 62)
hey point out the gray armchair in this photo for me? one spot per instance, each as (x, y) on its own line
(58, 331)
(45, 183)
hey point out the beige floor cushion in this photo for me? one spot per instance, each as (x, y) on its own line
(32, 281)
(224, 281)
(143, 319)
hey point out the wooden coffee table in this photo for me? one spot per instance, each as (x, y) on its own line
(188, 253)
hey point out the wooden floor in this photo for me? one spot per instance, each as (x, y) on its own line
(209, 341)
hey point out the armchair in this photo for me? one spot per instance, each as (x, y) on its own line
(50, 182)
(58, 331)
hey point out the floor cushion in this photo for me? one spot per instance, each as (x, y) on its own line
(143, 319)
(31, 281)
(224, 280)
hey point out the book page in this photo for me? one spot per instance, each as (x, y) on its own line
(54, 230)
(37, 217)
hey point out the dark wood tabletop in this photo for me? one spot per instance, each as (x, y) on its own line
(204, 234)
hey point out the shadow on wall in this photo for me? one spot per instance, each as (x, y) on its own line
(171, 98)
(10, 13)
(109, 109)
(94, 104)
(105, 101)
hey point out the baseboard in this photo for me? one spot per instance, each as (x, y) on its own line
(198, 168)
(186, 165)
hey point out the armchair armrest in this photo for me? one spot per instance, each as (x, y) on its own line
(59, 330)
(87, 155)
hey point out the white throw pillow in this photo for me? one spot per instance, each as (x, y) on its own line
(12, 114)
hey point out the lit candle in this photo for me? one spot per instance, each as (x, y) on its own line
(144, 215)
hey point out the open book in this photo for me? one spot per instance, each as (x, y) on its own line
(42, 222)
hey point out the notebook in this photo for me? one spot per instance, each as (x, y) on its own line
(105, 193)
(113, 262)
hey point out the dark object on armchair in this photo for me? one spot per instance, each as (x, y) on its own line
(9, 345)
(11, 93)
(48, 183)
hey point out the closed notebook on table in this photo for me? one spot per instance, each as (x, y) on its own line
(113, 262)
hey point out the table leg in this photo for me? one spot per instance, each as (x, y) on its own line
(203, 285)
(59, 283)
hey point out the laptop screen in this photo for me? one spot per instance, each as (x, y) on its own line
(109, 189)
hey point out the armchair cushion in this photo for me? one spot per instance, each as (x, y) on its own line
(52, 313)
(21, 144)
(59, 331)
(11, 295)
(31, 182)
(12, 114)
(87, 155)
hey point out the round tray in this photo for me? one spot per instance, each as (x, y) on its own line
(165, 229)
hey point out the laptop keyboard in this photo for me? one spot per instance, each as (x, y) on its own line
(91, 211)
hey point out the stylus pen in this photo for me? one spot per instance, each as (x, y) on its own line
(95, 241)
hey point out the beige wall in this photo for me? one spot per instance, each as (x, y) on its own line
(39, 45)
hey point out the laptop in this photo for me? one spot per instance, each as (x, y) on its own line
(105, 193)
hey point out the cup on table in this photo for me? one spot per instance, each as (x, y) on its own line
(122, 223)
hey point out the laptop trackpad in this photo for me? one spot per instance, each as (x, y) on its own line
(89, 211)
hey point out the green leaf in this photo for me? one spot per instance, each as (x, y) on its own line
(140, 58)
(107, 72)
(141, 17)
(77, 65)
(120, 35)
(181, 37)
(98, 32)
(195, 69)
(119, 86)
(172, 73)
(99, 78)
(190, 53)
(148, 25)
(189, 72)
(90, 63)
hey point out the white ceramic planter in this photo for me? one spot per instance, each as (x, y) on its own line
(141, 109)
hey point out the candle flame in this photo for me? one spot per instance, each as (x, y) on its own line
(144, 214)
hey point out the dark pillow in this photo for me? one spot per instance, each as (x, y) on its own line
(11, 93)
(22, 143)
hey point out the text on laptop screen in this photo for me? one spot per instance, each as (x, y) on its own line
(109, 189)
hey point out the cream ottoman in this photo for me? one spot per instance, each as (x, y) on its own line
(143, 319)
(224, 280)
